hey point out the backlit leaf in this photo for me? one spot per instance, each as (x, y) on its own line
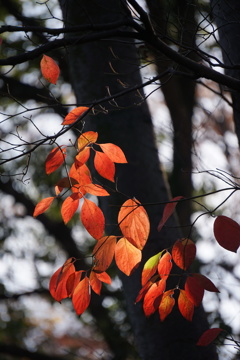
(69, 207)
(127, 256)
(92, 218)
(82, 175)
(104, 277)
(134, 223)
(95, 283)
(185, 306)
(74, 115)
(81, 296)
(104, 252)
(57, 285)
(168, 211)
(183, 253)
(208, 336)
(50, 69)
(95, 189)
(153, 297)
(65, 182)
(104, 166)
(150, 267)
(194, 290)
(43, 205)
(86, 139)
(166, 304)
(227, 233)
(55, 159)
(83, 156)
(114, 152)
(145, 288)
(73, 281)
(165, 265)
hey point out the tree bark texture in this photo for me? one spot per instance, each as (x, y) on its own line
(108, 67)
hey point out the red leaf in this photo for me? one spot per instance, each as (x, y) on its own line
(83, 156)
(69, 207)
(194, 290)
(153, 297)
(81, 296)
(114, 153)
(92, 218)
(74, 115)
(95, 189)
(206, 283)
(73, 281)
(86, 139)
(165, 265)
(95, 283)
(185, 306)
(134, 223)
(57, 285)
(55, 159)
(104, 166)
(150, 267)
(183, 253)
(82, 176)
(209, 336)
(127, 256)
(43, 205)
(145, 288)
(104, 252)
(50, 69)
(227, 233)
(166, 305)
(168, 211)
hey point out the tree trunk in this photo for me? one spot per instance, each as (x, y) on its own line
(110, 66)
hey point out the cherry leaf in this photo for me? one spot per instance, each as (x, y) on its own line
(150, 267)
(183, 253)
(55, 159)
(194, 290)
(43, 205)
(92, 218)
(165, 265)
(57, 284)
(81, 296)
(86, 139)
(104, 252)
(114, 153)
(186, 307)
(50, 69)
(209, 336)
(153, 297)
(104, 166)
(227, 233)
(127, 256)
(206, 283)
(69, 207)
(74, 115)
(168, 211)
(166, 305)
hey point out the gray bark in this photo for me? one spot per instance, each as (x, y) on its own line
(96, 69)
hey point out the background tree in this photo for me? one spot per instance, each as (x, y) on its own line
(100, 76)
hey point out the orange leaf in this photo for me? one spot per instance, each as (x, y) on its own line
(43, 205)
(209, 336)
(55, 159)
(183, 253)
(114, 153)
(104, 252)
(87, 138)
(50, 69)
(134, 223)
(74, 115)
(83, 156)
(227, 233)
(153, 297)
(81, 175)
(127, 256)
(168, 211)
(185, 306)
(73, 281)
(104, 166)
(194, 290)
(57, 285)
(95, 189)
(166, 304)
(165, 265)
(206, 283)
(150, 267)
(95, 283)
(65, 182)
(104, 277)
(69, 207)
(81, 296)
(93, 219)
(145, 288)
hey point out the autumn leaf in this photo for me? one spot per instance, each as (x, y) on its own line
(166, 304)
(92, 218)
(227, 233)
(168, 211)
(114, 153)
(57, 284)
(43, 205)
(55, 159)
(83, 156)
(95, 189)
(194, 290)
(50, 69)
(186, 307)
(81, 296)
(74, 115)
(209, 336)
(82, 176)
(165, 265)
(183, 253)
(153, 297)
(96, 280)
(134, 223)
(73, 281)
(150, 267)
(87, 138)
(127, 256)
(104, 252)
(206, 283)
(104, 166)
(65, 182)
(70, 206)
